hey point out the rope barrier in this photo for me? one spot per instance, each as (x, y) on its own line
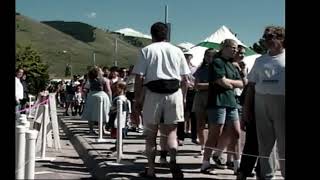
(226, 152)
(34, 106)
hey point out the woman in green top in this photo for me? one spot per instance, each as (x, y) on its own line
(222, 105)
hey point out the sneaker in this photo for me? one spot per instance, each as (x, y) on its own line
(175, 170)
(201, 152)
(229, 164)
(93, 133)
(242, 176)
(219, 162)
(140, 130)
(195, 141)
(236, 166)
(180, 142)
(163, 161)
(132, 129)
(205, 167)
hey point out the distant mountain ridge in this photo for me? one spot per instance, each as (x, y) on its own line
(84, 32)
(60, 43)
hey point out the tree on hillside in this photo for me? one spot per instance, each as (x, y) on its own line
(37, 71)
(67, 72)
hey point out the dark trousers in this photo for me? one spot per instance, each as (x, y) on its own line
(193, 126)
(250, 147)
(180, 131)
(78, 108)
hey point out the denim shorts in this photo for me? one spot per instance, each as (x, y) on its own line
(222, 115)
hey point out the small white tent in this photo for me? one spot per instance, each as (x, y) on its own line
(216, 38)
(185, 45)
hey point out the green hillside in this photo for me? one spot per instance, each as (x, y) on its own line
(80, 31)
(60, 43)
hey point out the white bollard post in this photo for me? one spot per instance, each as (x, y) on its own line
(31, 137)
(100, 139)
(20, 151)
(45, 118)
(119, 130)
(23, 121)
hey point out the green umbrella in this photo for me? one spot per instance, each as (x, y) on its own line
(213, 45)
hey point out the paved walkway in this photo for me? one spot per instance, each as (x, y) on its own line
(100, 158)
(66, 164)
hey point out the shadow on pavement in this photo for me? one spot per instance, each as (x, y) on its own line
(66, 166)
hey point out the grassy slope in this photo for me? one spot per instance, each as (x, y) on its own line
(51, 43)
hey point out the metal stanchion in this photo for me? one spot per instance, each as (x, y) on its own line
(119, 130)
(100, 139)
(31, 137)
(20, 151)
(44, 135)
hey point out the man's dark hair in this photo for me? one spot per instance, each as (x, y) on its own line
(159, 31)
(18, 69)
(93, 73)
(105, 68)
(114, 68)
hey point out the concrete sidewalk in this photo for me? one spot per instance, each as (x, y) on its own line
(100, 158)
(66, 164)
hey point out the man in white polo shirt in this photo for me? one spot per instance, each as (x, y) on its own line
(268, 78)
(162, 68)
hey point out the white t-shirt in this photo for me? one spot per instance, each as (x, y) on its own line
(161, 60)
(78, 97)
(268, 72)
(19, 89)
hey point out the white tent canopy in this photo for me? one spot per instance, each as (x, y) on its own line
(217, 37)
(185, 45)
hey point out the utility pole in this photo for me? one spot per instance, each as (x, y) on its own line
(94, 58)
(115, 52)
(167, 23)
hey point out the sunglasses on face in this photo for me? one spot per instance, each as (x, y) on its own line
(232, 47)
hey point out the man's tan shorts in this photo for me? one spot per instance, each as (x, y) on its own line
(167, 106)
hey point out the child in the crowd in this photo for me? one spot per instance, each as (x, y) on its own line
(78, 100)
(119, 94)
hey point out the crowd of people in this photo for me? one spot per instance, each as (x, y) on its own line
(171, 94)
(212, 104)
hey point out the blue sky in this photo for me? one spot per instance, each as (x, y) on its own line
(192, 20)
